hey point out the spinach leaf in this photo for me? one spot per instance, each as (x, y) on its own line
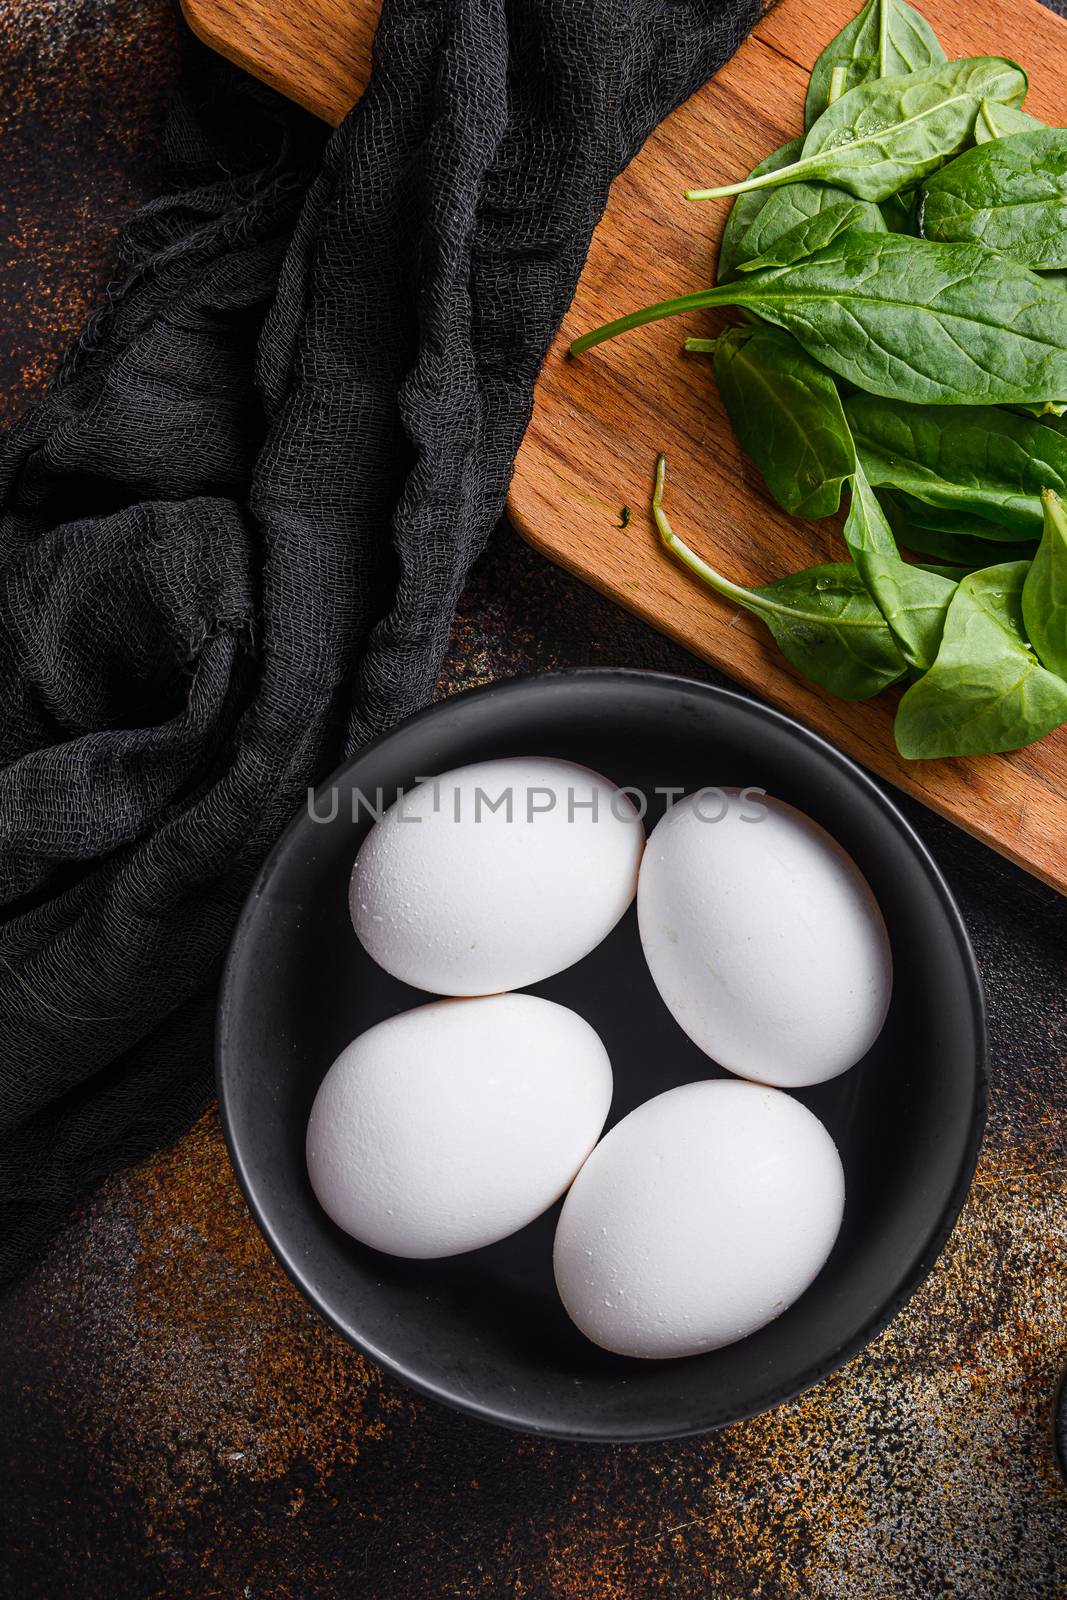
(823, 619)
(886, 38)
(963, 541)
(785, 210)
(1009, 194)
(747, 207)
(954, 550)
(787, 414)
(1051, 411)
(810, 235)
(955, 572)
(963, 524)
(986, 691)
(1045, 590)
(886, 135)
(947, 324)
(912, 600)
(989, 463)
(898, 212)
(995, 120)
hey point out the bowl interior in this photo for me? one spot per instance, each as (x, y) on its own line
(486, 1331)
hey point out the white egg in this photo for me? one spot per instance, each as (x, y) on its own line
(450, 1126)
(763, 938)
(700, 1217)
(496, 875)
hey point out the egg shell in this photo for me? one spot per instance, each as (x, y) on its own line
(453, 1125)
(698, 1219)
(455, 897)
(763, 938)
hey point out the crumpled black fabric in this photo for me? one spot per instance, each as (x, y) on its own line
(233, 534)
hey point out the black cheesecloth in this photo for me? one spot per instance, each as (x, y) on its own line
(234, 531)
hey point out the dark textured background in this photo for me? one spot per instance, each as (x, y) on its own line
(175, 1421)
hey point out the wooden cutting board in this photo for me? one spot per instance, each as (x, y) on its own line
(598, 422)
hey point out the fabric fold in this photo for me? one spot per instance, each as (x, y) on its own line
(234, 532)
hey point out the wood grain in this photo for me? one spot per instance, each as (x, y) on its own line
(315, 51)
(598, 422)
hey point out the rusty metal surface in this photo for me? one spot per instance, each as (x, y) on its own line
(176, 1422)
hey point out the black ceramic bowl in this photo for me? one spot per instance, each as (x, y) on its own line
(486, 1331)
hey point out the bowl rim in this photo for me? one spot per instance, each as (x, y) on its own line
(939, 1233)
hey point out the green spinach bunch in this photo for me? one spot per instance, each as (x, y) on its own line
(902, 270)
